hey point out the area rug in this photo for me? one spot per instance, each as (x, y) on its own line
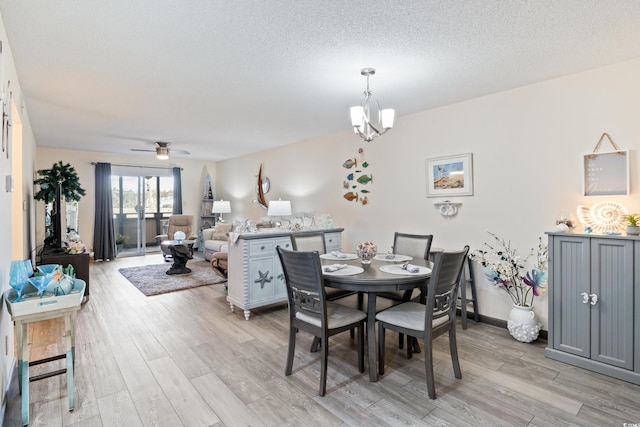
(153, 280)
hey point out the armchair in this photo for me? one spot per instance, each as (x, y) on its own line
(182, 223)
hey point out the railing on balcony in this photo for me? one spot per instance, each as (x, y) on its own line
(127, 225)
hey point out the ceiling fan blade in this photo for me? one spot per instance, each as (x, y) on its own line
(141, 149)
(179, 151)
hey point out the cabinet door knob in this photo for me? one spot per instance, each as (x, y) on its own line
(585, 298)
(594, 299)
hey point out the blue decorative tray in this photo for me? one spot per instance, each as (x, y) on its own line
(31, 303)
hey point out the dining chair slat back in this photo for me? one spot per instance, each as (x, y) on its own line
(430, 320)
(416, 246)
(310, 311)
(309, 242)
(315, 242)
(413, 245)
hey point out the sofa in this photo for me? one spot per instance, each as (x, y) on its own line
(215, 239)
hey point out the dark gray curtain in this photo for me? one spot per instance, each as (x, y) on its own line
(104, 237)
(177, 192)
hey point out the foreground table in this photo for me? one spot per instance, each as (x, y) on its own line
(371, 281)
(35, 309)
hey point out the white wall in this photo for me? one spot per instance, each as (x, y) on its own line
(527, 144)
(193, 175)
(17, 208)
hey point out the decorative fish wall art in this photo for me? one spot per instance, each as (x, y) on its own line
(357, 179)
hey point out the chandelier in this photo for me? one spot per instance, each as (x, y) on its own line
(366, 125)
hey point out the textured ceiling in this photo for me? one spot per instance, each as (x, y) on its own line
(226, 78)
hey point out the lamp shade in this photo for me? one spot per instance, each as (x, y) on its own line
(279, 208)
(387, 118)
(221, 206)
(357, 114)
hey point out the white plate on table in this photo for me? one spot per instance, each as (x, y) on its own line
(342, 257)
(397, 269)
(347, 271)
(396, 258)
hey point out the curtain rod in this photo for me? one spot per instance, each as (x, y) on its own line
(140, 167)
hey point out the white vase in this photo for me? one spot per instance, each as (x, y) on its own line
(523, 324)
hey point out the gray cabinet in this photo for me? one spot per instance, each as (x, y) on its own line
(594, 303)
(255, 277)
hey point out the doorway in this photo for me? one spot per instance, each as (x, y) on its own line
(142, 204)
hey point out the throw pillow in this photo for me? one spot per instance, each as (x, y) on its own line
(219, 236)
(222, 228)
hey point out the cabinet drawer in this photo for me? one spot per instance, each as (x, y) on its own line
(262, 248)
(284, 243)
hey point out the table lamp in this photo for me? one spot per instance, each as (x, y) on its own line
(279, 208)
(220, 207)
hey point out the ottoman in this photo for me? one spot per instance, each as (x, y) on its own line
(219, 263)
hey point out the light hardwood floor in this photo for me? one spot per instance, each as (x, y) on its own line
(184, 359)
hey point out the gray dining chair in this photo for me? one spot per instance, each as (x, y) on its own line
(430, 320)
(315, 242)
(310, 311)
(416, 246)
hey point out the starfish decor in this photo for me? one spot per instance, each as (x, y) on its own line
(264, 278)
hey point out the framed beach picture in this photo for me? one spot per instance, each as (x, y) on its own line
(450, 176)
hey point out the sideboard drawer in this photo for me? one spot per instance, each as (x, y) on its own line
(262, 247)
(284, 243)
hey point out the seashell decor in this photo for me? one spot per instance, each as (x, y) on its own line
(603, 217)
(366, 251)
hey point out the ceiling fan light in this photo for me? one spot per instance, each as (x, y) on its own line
(162, 153)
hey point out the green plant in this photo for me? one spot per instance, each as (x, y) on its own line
(632, 219)
(120, 239)
(63, 174)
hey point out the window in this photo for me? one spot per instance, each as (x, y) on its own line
(158, 194)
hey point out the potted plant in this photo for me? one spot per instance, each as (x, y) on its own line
(504, 268)
(61, 174)
(632, 224)
(120, 241)
(61, 181)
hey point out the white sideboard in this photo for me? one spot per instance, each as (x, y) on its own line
(255, 277)
(594, 303)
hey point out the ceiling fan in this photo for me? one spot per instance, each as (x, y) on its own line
(162, 150)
